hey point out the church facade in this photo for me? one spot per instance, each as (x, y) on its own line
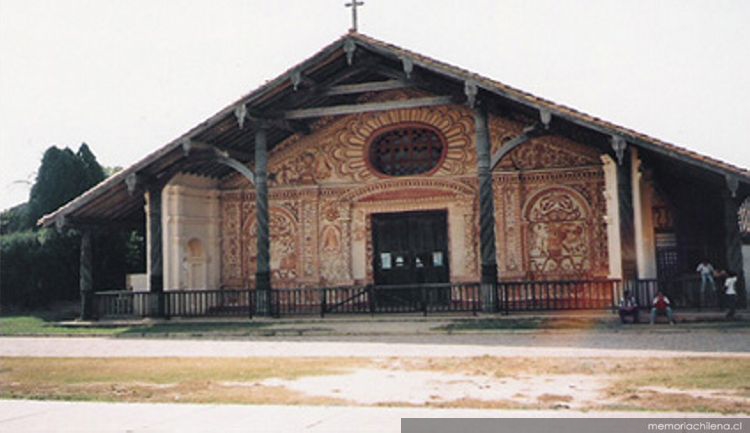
(329, 187)
(369, 165)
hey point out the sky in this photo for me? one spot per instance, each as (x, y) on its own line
(127, 76)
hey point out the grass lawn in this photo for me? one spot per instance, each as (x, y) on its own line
(38, 326)
(634, 384)
(34, 325)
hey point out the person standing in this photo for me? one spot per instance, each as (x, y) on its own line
(706, 270)
(708, 274)
(730, 293)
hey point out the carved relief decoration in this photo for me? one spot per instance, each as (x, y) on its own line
(550, 152)
(502, 130)
(334, 245)
(350, 154)
(231, 261)
(548, 196)
(508, 197)
(310, 239)
(557, 235)
(284, 246)
(471, 230)
(558, 230)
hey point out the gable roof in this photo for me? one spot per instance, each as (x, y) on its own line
(110, 200)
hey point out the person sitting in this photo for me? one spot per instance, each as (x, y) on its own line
(628, 307)
(661, 306)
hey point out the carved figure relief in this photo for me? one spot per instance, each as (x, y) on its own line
(471, 262)
(230, 261)
(284, 246)
(330, 240)
(558, 236)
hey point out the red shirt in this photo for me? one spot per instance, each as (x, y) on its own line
(661, 302)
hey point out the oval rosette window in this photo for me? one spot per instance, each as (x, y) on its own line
(406, 150)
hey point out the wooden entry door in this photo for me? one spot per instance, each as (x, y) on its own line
(410, 248)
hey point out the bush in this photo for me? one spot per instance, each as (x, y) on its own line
(38, 267)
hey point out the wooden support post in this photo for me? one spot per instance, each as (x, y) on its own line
(733, 244)
(155, 250)
(626, 209)
(263, 273)
(486, 211)
(86, 279)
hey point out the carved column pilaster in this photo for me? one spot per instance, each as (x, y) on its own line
(263, 272)
(486, 206)
(486, 211)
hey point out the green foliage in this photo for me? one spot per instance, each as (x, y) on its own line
(38, 266)
(31, 325)
(92, 172)
(62, 176)
(14, 219)
(135, 254)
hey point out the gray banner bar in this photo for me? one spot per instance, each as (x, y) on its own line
(574, 425)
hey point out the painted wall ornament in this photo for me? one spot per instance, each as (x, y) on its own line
(548, 195)
(558, 236)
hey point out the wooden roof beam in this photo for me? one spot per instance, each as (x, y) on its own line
(305, 94)
(337, 110)
(374, 86)
(188, 146)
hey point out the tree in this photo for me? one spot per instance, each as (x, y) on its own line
(41, 265)
(14, 219)
(92, 173)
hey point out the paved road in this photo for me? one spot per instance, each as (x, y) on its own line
(568, 344)
(23, 416)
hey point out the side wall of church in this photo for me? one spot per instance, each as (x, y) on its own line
(191, 229)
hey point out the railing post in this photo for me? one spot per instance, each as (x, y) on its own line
(371, 298)
(506, 295)
(423, 294)
(322, 302)
(164, 301)
(250, 304)
(474, 299)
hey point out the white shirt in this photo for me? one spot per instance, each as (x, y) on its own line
(705, 269)
(729, 284)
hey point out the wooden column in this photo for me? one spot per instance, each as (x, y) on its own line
(156, 250)
(486, 211)
(263, 273)
(86, 279)
(733, 241)
(626, 210)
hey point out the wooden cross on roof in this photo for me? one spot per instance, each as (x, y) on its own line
(353, 4)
